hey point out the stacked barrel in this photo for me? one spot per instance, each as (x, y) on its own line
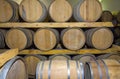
(48, 39)
(59, 66)
(55, 11)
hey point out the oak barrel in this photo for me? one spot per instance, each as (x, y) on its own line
(87, 10)
(99, 38)
(60, 10)
(9, 11)
(31, 63)
(115, 56)
(32, 11)
(59, 57)
(14, 69)
(73, 39)
(19, 38)
(55, 69)
(2, 38)
(102, 69)
(106, 16)
(46, 39)
(84, 58)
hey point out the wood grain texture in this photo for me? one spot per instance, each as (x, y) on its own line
(15, 6)
(87, 10)
(60, 10)
(57, 25)
(6, 55)
(59, 57)
(113, 49)
(59, 70)
(85, 58)
(100, 38)
(46, 39)
(110, 56)
(103, 69)
(9, 11)
(32, 10)
(31, 63)
(95, 70)
(19, 38)
(73, 39)
(113, 68)
(19, 71)
(6, 11)
(14, 69)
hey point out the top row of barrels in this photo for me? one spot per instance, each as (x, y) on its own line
(57, 10)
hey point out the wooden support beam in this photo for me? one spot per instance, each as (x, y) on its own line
(114, 49)
(6, 55)
(56, 25)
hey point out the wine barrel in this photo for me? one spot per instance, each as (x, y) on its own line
(109, 56)
(32, 11)
(31, 63)
(59, 57)
(84, 58)
(60, 69)
(9, 11)
(60, 10)
(106, 16)
(99, 38)
(102, 69)
(87, 10)
(73, 39)
(118, 17)
(14, 69)
(19, 38)
(2, 38)
(46, 39)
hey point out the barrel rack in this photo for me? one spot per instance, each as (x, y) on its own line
(56, 25)
(113, 49)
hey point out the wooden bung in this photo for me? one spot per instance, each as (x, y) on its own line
(32, 11)
(60, 10)
(19, 38)
(85, 58)
(31, 62)
(99, 38)
(87, 10)
(46, 39)
(102, 69)
(14, 69)
(73, 39)
(55, 69)
(9, 11)
(59, 57)
(106, 16)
